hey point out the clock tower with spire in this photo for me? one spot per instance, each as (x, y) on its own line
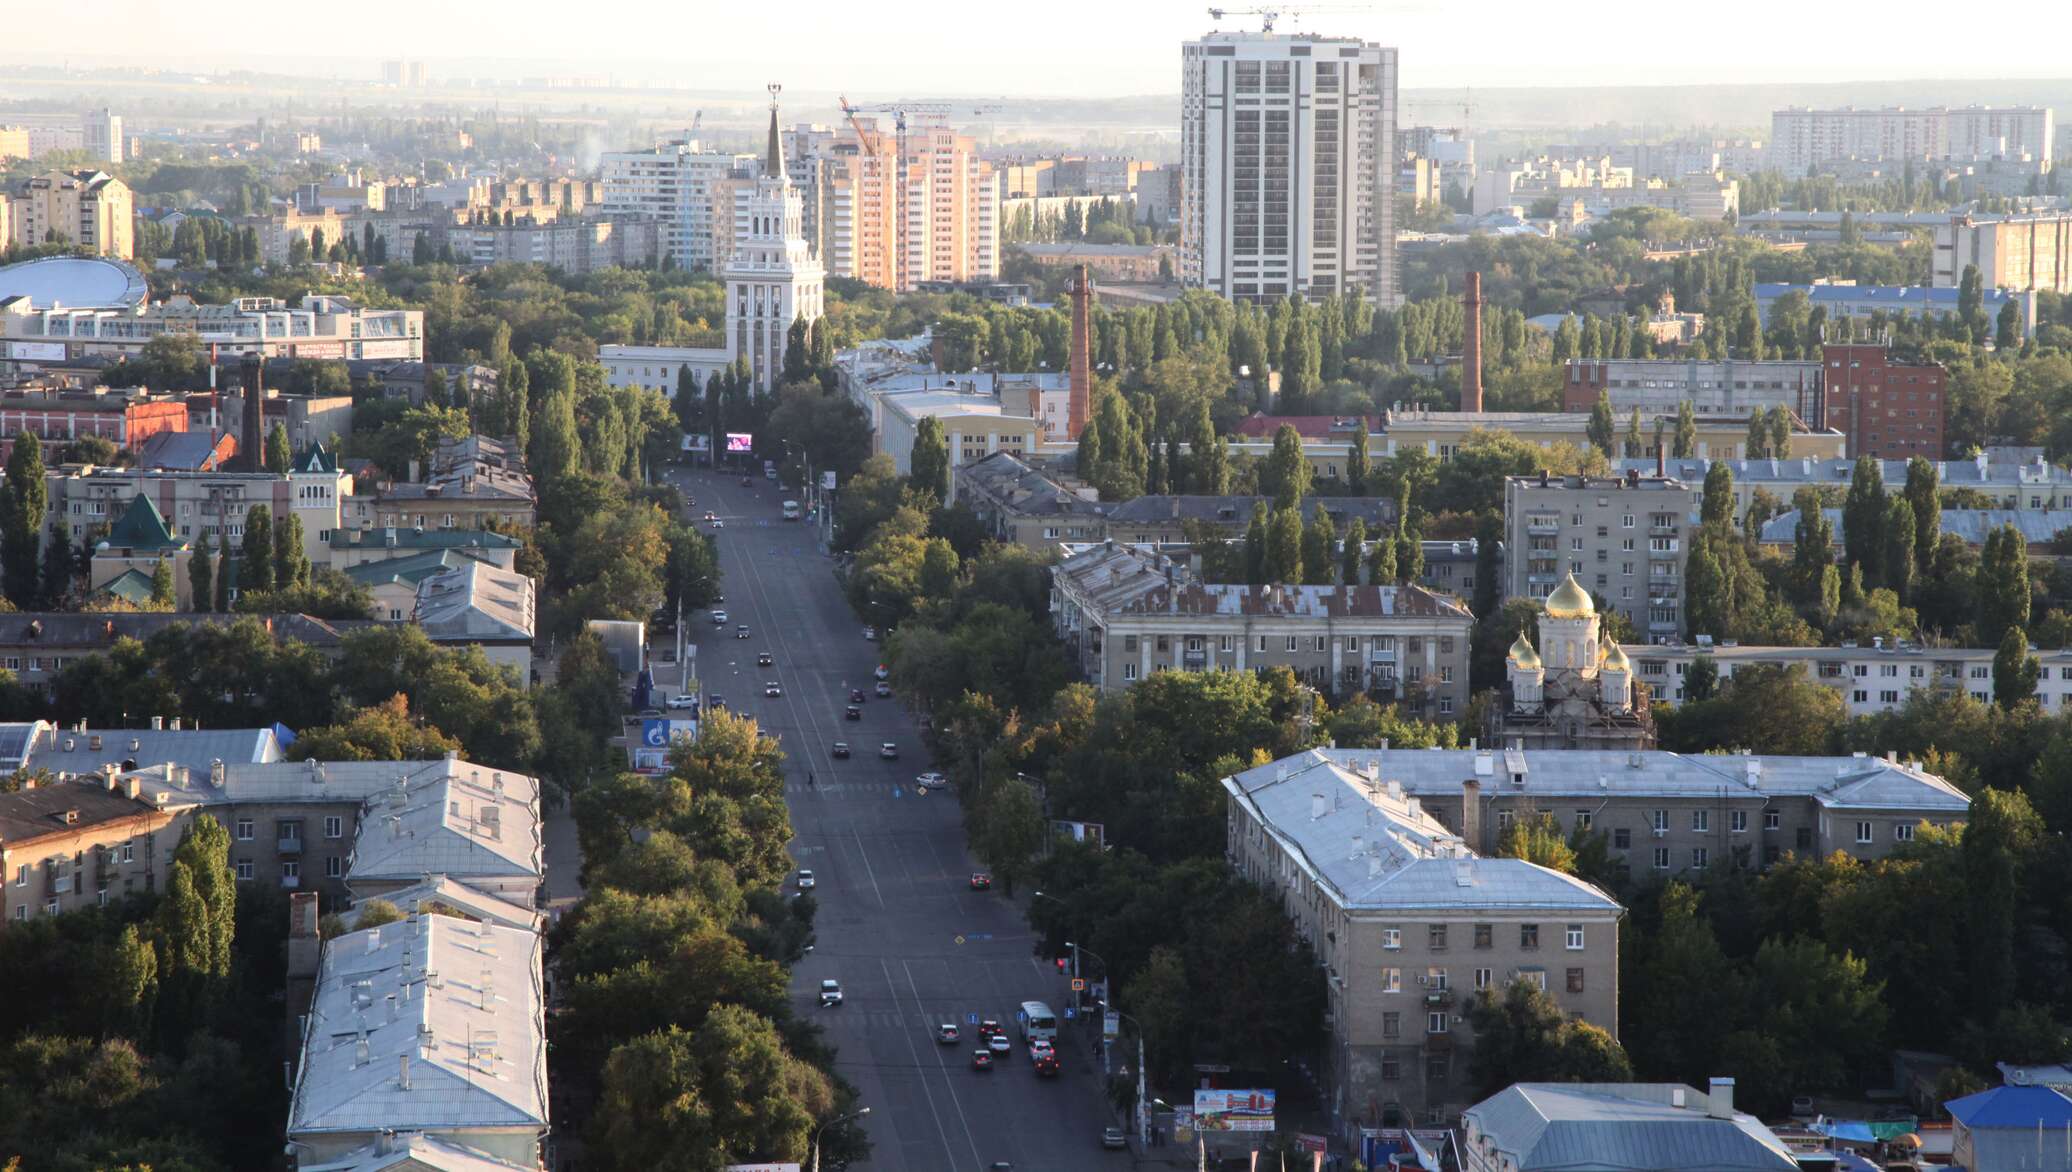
(773, 278)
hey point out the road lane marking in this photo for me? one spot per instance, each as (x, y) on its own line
(940, 1130)
(865, 856)
(944, 1067)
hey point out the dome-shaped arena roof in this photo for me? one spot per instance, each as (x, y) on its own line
(73, 282)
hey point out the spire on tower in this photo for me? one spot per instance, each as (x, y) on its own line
(773, 154)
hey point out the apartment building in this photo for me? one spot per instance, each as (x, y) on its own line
(1623, 538)
(320, 326)
(193, 505)
(571, 245)
(424, 1036)
(37, 646)
(1660, 386)
(1165, 520)
(1664, 813)
(1130, 263)
(2032, 251)
(1287, 150)
(482, 831)
(79, 843)
(1125, 612)
(679, 185)
(90, 209)
(1025, 506)
(946, 193)
(2025, 481)
(1878, 677)
(472, 483)
(475, 604)
(1410, 923)
(102, 130)
(1802, 138)
(1888, 407)
(2038, 528)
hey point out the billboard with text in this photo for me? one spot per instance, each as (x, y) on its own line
(1241, 1110)
(740, 441)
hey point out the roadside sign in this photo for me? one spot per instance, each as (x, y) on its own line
(1070, 1013)
(1078, 984)
(1111, 1025)
(971, 1019)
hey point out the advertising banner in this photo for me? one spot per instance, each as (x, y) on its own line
(1238, 1110)
(740, 441)
(650, 762)
(1111, 1025)
(762, 1168)
(827, 482)
(36, 351)
(320, 350)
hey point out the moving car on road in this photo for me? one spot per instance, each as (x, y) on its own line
(840, 750)
(888, 751)
(946, 1033)
(719, 618)
(1112, 1137)
(852, 712)
(791, 510)
(715, 701)
(883, 689)
(741, 632)
(765, 659)
(883, 672)
(980, 881)
(1000, 1046)
(981, 1060)
(856, 695)
(1046, 1065)
(931, 780)
(870, 634)
(805, 880)
(830, 993)
(773, 689)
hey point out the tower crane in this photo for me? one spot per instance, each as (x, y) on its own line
(924, 113)
(1267, 16)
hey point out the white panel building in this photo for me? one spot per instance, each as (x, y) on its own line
(1288, 166)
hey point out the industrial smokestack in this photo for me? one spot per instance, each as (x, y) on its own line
(1082, 369)
(251, 456)
(1471, 346)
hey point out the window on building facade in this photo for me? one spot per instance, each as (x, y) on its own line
(1772, 820)
(1528, 936)
(1863, 832)
(1622, 838)
(1392, 938)
(244, 869)
(1392, 980)
(244, 830)
(1661, 858)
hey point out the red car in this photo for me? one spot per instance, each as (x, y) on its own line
(980, 881)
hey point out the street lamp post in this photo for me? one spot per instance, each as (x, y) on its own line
(1143, 1116)
(1076, 950)
(859, 1113)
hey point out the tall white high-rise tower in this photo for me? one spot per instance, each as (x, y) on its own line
(1288, 166)
(773, 277)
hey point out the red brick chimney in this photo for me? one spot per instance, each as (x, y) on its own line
(1082, 294)
(1471, 346)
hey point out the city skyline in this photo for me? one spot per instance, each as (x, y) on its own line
(1078, 48)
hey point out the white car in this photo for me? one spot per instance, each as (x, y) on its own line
(719, 618)
(805, 880)
(830, 993)
(870, 633)
(883, 672)
(889, 751)
(685, 701)
(931, 780)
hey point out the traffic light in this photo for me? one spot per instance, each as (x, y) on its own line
(1061, 966)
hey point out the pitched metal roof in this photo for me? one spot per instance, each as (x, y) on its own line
(1025, 490)
(1124, 579)
(446, 892)
(476, 602)
(1982, 472)
(1617, 1127)
(29, 814)
(324, 781)
(413, 1151)
(451, 824)
(2037, 526)
(419, 537)
(2013, 1106)
(1856, 782)
(430, 1023)
(76, 751)
(141, 526)
(1377, 848)
(1236, 511)
(410, 569)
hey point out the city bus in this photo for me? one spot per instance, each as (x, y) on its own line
(1038, 1022)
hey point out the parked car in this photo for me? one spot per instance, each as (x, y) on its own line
(931, 780)
(1112, 1137)
(888, 751)
(683, 701)
(839, 750)
(830, 992)
(946, 1033)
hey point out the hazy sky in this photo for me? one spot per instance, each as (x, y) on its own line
(1085, 47)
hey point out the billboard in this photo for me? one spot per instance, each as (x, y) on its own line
(740, 441)
(1092, 832)
(1111, 1025)
(1248, 1110)
(827, 482)
(320, 350)
(762, 1168)
(656, 733)
(650, 762)
(36, 351)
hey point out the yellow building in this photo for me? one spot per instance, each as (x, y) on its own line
(1440, 433)
(952, 208)
(90, 209)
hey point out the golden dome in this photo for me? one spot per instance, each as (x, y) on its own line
(1615, 659)
(1570, 601)
(1522, 655)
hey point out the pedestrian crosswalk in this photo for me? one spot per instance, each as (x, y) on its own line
(837, 789)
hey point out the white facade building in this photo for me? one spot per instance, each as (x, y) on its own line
(1877, 677)
(1288, 161)
(1803, 138)
(678, 184)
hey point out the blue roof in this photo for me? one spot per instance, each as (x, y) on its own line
(2022, 1107)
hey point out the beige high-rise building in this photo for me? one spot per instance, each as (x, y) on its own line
(952, 208)
(91, 209)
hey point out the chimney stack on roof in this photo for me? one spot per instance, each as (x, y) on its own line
(1081, 291)
(1720, 1103)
